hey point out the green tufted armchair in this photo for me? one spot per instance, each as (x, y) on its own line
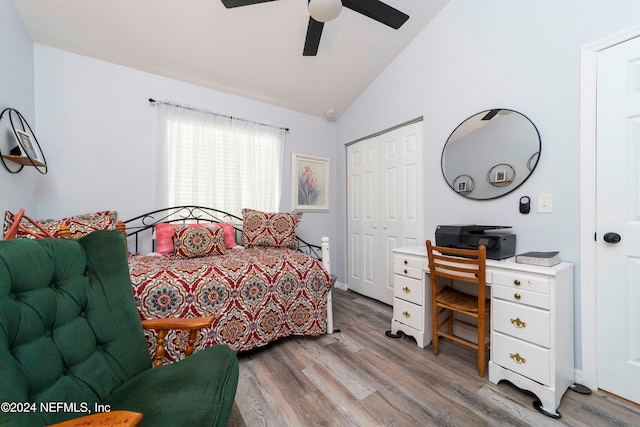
(71, 342)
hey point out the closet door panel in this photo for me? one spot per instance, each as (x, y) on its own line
(385, 202)
(411, 185)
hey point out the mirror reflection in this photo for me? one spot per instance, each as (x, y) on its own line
(491, 154)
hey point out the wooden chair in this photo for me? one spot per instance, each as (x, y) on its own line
(459, 265)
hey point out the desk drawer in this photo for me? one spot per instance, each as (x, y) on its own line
(407, 261)
(522, 322)
(408, 313)
(534, 299)
(525, 281)
(526, 359)
(403, 270)
(408, 289)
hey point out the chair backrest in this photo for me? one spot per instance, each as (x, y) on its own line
(467, 265)
(69, 327)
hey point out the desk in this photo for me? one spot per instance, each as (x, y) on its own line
(531, 320)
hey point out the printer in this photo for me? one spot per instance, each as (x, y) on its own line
(499, 245)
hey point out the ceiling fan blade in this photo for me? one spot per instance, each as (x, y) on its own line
(235, 3)
(378, 11)
(314, 32)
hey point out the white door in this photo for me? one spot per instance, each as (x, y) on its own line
(411, 186)
(363, 206)
(618, 211)
(390, 209)
(384, 207)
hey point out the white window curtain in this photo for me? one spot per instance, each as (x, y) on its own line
(212, 160)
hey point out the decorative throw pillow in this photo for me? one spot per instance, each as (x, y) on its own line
(195, 242)
(270, 229)
(165, 233)
(79, 225)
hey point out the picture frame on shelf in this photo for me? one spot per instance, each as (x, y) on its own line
(501, 175)
(462, 187)
(310, 183)
(26, 145)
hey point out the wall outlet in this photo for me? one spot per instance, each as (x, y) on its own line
(545, 203)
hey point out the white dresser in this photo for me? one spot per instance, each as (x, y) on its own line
(411, 296)
(531, 320)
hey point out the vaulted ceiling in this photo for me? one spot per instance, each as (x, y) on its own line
(253, 51)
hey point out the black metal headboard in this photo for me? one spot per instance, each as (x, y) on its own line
(141, 227)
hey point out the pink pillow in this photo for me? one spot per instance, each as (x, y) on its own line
(165, 233)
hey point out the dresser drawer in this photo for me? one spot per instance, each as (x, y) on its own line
(534, 299)
(408, 289)
(522, 322)
(525, 281)
(403, 270)
(530, 360)
(408, 313)
(407, 261)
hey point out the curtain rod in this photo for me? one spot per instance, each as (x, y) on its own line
(153, 101)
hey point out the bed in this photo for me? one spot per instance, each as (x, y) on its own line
(259, 289)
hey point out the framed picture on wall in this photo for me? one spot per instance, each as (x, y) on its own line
(309, 183)
(27, 145)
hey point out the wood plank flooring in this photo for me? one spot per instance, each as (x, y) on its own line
(358, 377)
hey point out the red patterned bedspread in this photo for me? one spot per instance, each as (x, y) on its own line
(258, 295)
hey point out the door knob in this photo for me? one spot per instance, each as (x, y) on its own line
(612, 237)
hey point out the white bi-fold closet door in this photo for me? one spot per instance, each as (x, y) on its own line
(384, 206)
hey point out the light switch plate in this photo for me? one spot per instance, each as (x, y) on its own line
(545, 203)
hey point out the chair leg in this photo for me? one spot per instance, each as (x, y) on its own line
(450, 322)
(434, 328)
(481, 346)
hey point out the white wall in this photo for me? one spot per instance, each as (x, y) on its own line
(99, 134)
(479, 55)
(16, 91)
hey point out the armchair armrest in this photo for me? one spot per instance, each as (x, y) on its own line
(104, 419)
(162, 326)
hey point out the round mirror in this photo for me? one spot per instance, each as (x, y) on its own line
(491, 154)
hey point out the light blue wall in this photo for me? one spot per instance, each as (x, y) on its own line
(479, 55)
(101, 133)
(16, 91)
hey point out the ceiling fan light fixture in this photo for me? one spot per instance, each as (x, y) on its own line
(325, 10)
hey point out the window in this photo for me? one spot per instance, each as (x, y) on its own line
(217, 161)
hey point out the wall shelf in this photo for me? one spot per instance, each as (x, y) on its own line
(27, 151)
(24, 160)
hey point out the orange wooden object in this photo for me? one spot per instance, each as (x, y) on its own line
(462, 265)
(17, 225)
(162, 326)
(104, 419)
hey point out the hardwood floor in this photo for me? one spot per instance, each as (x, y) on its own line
(359, 377)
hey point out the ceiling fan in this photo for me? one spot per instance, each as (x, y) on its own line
(322, 11)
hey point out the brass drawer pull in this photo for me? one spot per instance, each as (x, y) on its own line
(518, 359)
(406, 314)
(406, 290)
(516, 282)
(518, 323)
(516, 296)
